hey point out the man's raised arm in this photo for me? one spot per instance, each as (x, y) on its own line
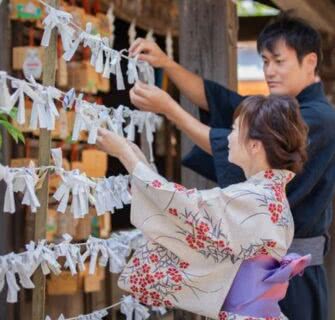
(188, 83)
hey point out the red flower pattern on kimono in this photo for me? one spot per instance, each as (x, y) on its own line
(201, 236)
(215, 244)
(179, 187)
(193, 220)
(268, 174)
(156, 276)
(156, 184)
(173, 211)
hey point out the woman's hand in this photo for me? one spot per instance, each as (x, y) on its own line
(149, 51)
(151, 98)
(111, 143)
(119, 147)
(139, 153)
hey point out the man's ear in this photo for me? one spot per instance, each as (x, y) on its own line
(310, 62)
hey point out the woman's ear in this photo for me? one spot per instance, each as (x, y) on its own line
(256, 146)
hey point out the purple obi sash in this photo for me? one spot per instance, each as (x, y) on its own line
(261, 283)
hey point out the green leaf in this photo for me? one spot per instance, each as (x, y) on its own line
(13, 113)
(14, 132)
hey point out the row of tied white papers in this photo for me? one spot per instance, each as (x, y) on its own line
(113, 251)
(129, 306)
(104, 59)
(88, 116)
(106, 194)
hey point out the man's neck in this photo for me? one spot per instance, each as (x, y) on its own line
(313, 80)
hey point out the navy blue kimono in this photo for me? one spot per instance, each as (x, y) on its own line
(310, 193)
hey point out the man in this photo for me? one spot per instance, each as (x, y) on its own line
(291, 52)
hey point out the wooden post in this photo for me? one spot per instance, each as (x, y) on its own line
(208, 47)
(49, 75)
(6, 220)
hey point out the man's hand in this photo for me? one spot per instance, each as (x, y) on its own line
(151, 98)
(149, 51)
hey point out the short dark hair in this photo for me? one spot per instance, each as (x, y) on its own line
(276, 121)
(296, 33)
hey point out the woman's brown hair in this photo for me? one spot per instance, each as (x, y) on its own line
(276, 121)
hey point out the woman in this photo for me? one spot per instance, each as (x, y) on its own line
(220, 252)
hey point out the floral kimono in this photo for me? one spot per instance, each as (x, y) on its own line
(218, 253)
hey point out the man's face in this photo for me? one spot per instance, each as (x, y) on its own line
(284, 74)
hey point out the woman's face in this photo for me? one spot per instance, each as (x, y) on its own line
(239, 148)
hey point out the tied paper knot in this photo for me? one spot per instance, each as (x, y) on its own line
(146, 72)
(112, 193)
(8, 176)
(97, 120)
(96, 315)
(100, 49)
(19, 180)
(115, 124)
(131, 307)
(5, 103)
(79, 122)
(134, 238)
(72, 254)
(25, 181)
(89, 118)
(120, 186)
(68, 54)
(21, 266)
(132, 71)
(44, 111)
(80, 186)
(18, 96)
(97, 57)
(45, 257)
(118, 254)
(144, 121)
(76, 183)
(10, 265)
(110, 250)
(115, 63)
(60, 20)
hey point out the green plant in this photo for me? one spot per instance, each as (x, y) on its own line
(15, 133)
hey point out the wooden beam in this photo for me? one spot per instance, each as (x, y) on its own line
(208, 47)
(5, 65)
(250, 27)
(6, 220)
(319, 13)
(49, 76)
(268, 3)
(160, 16)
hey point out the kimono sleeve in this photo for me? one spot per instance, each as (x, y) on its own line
(219, 223)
